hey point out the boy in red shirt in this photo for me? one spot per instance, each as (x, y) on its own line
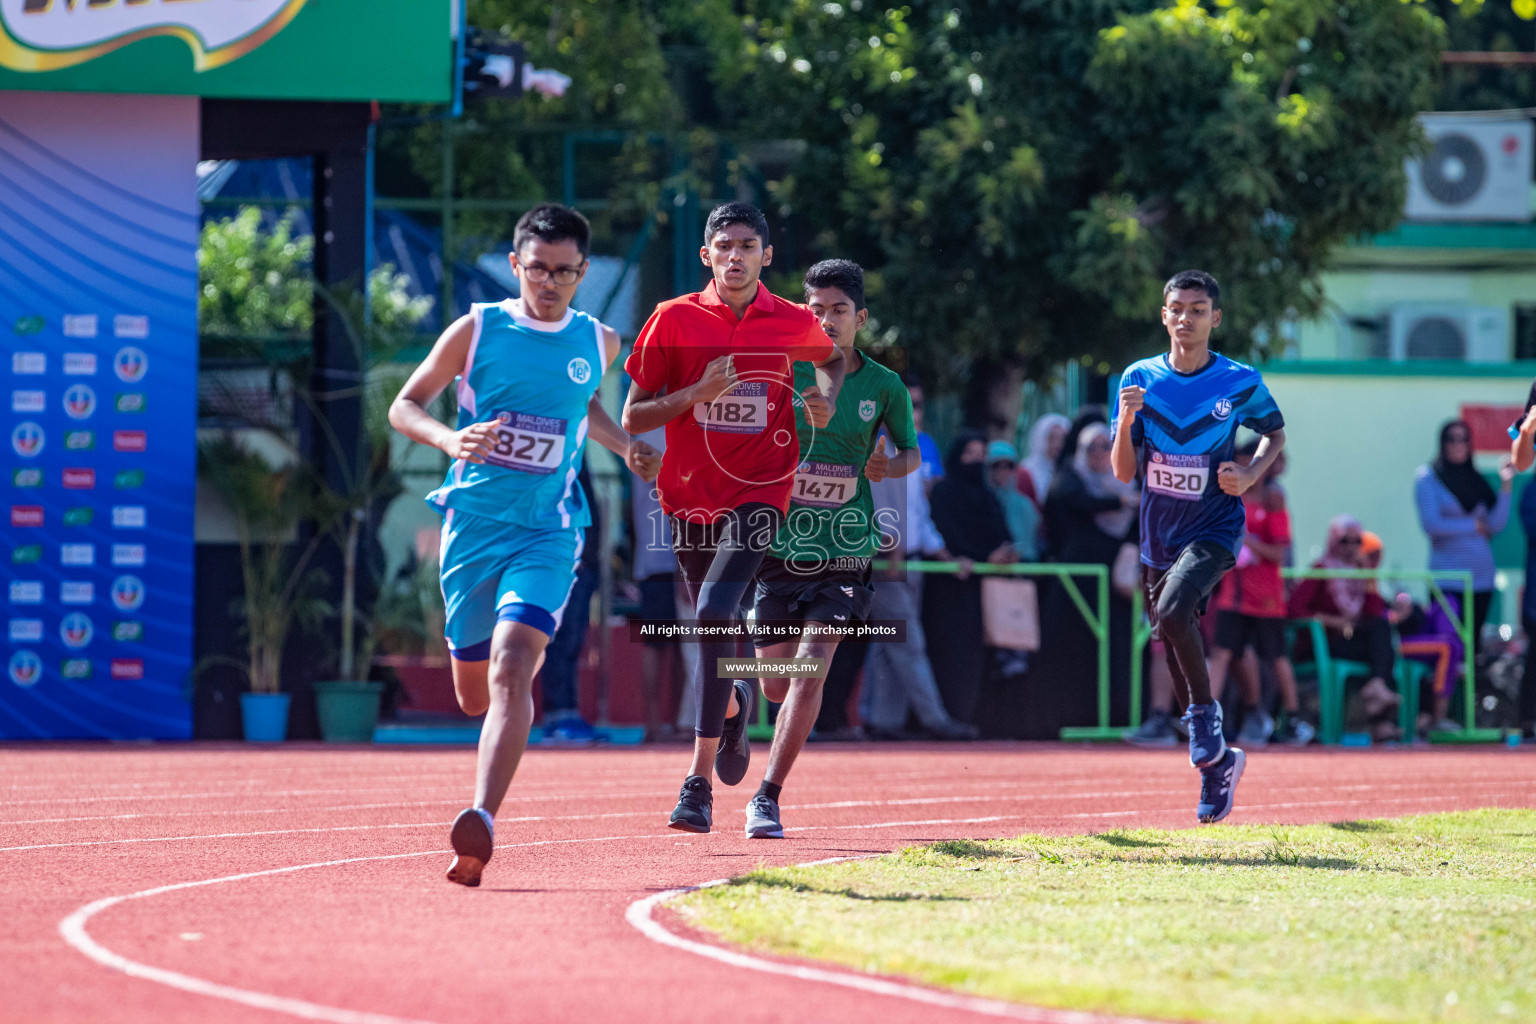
(1250, 611)
(717, 368)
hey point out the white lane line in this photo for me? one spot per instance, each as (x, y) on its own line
(639, 915)
(1457, 799)
(74, 932)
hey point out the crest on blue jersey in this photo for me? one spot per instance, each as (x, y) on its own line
(579, 370)
(1222, 409)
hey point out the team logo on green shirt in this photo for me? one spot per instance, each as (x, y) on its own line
(867, 409)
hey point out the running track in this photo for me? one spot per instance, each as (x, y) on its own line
(369, 933)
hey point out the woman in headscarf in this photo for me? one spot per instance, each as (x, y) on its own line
(1089, 516)
(1461, 513)
(1045, 440)
(1021, 514)
(970, 520)
(1354, 618)
(1088, 512)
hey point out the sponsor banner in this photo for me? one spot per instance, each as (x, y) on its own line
(79, 364)
(25, 631)
(103, 364)
(398, 50)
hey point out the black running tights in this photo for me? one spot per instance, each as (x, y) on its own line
(719, 562)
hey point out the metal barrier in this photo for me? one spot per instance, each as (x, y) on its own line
(1096, 618)
(1141, 632)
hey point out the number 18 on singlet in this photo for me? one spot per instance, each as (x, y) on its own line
(741, 410)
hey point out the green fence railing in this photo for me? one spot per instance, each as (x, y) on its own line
(1436, 582)
(1097, 619)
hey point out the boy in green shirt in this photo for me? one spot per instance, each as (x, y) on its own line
(818, 570)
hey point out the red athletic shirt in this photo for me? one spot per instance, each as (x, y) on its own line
(1254, 587)
(743, 447)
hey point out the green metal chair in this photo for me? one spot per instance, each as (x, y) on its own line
(1333, 673)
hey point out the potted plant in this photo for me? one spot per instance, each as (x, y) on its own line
(267, 503)
(363, 481)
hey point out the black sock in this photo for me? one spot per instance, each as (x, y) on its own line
(771, 790)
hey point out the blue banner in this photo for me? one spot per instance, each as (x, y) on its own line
(98, 313)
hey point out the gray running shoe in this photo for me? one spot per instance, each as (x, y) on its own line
(763, 819)
(735, 752)
(1296, 732)
(1257, 728)
(1156, 731)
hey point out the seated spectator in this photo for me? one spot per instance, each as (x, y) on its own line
(1355, 620)
(1424, 634)
(1019, 512)
(1036, 472)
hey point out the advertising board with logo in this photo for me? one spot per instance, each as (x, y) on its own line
(254, 49)
(98, 321)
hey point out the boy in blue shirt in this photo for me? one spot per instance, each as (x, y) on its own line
(1176, 422)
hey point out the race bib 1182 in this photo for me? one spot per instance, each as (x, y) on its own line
(741, 410)
(533, 444)
(1178, 476)
(823, 485)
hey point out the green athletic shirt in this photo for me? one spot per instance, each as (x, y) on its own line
(831, 510)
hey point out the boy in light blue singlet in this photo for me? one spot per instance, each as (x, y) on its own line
(1176, 423)
(527, 372)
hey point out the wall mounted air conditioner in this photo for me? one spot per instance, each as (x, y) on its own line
(1472, 334)
(1479, 169)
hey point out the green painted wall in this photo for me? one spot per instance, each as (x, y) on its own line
(1356, 436)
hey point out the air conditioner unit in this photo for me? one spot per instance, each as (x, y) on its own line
(1479, 169)
(1472, 334)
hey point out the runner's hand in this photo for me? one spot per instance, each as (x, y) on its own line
(719, 378)
(879, 463)
(473, 443)
(1234, 479)
(817, 409)
(642, 460)
(1132, 398)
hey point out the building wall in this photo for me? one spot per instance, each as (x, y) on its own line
(1356, 433)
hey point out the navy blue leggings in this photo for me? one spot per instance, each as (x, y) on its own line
(719, 562)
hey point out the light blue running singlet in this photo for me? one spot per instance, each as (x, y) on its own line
(535, 377)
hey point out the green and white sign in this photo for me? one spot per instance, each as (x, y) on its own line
(259, 49)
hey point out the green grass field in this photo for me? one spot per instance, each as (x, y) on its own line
(1416, 919)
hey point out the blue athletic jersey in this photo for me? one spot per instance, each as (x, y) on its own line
(1182, 434)
(536, 378)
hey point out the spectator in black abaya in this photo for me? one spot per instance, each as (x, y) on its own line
(970, 520)
(1091, 516)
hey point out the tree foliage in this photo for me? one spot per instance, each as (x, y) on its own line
(1024, 175)
(258, 283)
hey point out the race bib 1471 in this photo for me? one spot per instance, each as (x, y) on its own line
(823, 485)
(1178, 476)
(741, 410)
(533, 444)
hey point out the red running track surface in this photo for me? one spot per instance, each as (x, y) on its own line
(382, 937)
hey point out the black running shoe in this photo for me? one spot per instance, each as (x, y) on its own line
(694, 804)
(473, 839)
(735, 752)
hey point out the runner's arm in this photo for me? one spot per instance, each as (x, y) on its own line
(904, 462)
(829, 375)
(1523, 449)
(408, 412)
(646, 410)
(643, 460)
